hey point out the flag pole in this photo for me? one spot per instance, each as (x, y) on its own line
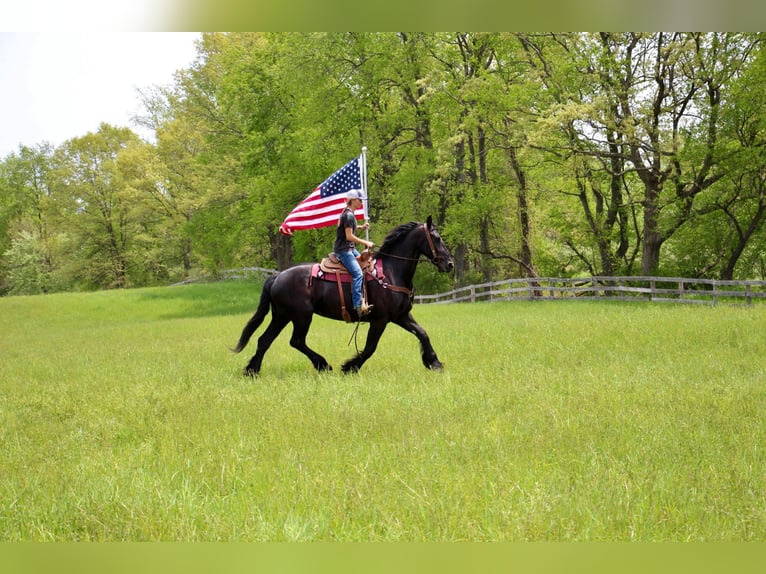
(364, 192)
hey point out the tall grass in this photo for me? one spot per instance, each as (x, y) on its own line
(123, 416)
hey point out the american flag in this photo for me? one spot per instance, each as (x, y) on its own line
(325, 204)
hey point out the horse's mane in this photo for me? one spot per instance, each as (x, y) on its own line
(396, 235)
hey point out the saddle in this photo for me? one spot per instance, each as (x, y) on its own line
(331, 264)
(331, 269)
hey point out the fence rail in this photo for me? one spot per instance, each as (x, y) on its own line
(656, 289)
(241, 273)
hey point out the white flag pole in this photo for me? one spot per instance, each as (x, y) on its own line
(364, 192)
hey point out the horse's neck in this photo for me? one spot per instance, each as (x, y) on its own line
(402, 264)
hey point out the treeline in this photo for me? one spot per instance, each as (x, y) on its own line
(537, 154)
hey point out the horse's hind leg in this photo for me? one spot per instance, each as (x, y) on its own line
(298, 341)
(264, 342)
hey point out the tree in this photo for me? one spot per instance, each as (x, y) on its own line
(728, 225)
(574, 153)
(668, 89)
(580, 161)
(104, 204)
(642, 109)
(30, 243)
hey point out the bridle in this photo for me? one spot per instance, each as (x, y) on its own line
(434, 257)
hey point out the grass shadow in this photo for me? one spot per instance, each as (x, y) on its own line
(204, 299)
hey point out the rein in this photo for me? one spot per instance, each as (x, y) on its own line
(353, 337)
(392, 256)
(434, 256)
(434, 259)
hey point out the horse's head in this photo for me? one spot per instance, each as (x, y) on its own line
(435, 249)
(411, 240)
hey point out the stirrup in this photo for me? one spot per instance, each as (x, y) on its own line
(364, 309)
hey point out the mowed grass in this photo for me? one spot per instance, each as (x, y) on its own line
(123, 416)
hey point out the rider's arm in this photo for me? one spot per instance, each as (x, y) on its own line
(351, 237)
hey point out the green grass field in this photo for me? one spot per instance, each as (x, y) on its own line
(124, 417)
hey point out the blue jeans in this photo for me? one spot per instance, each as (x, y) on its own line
(348, 258)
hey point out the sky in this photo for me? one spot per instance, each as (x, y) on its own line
(55, 86)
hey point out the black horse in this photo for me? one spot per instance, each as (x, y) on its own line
(294, 296)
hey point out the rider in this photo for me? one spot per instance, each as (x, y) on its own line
(345, 248)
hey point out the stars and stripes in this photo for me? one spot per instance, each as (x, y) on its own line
(324, 205)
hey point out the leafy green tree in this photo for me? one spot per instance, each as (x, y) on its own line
(725, 232)
(30, 240)
(102, 186)
(668, 92)
(640, 126)
(537, 154)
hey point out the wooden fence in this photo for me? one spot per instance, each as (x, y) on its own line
(241, 273)
(656, 289)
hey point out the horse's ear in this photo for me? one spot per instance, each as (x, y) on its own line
(429, 222)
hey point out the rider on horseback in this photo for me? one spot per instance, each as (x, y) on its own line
(345, 248)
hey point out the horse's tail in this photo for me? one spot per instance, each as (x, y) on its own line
(260, 314)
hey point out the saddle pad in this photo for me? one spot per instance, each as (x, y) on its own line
(318, 273)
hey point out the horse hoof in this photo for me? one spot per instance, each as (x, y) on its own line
(437, 366)
(248, 372)
(350, 369)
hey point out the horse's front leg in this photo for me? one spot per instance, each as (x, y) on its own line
(373, 336)
(430, 360)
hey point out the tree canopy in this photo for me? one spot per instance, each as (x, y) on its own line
(544, 154)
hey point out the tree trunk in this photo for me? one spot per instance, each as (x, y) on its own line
(652, 238)
(460, 258)
(282, 251)
(743, 238)
(527, 267)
